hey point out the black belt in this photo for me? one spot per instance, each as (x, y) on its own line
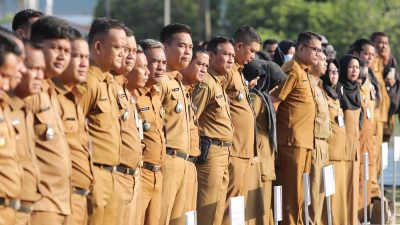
(222, 143)
(177, 153)
(106, 167)
(12, 203)
(126, 170)
(151, 167)
(81, 191)
(191, 158)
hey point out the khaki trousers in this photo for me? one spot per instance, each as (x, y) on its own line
(319, 159)
(41, 218)
(352, 174)
(213, 179)
(191, 187)
(150, 198)
(254, 201)
(7, 215)
(174, 173)
(22, 218)
(294, 163)
(339, 199)
(79, 215)
(129, 187)
(375, 174)
(103, 202)
(268, 204)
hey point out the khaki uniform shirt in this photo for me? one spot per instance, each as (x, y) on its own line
(100, 107)
(149, 106)
(194, 130)
(174, 99)
(337, 141)
(242, 114)
(322, 128)
(265, 151)
(383, 107)
(131, 149)
(52, 152)
(212, 108)
(77, 135)
(367, 130)
(351, 121)
(22, 121)
(296, 112)
(10, 170)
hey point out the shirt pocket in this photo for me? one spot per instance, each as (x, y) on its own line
(43, 124)
(70, 125)
(221, 107)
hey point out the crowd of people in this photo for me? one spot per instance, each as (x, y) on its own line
(111, 130)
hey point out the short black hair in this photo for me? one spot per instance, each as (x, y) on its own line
(76, 35)
(247, 35)
(269, 42)
(175, 28)
(377, 34)
(212, 45)
(198, 49)
(21, 18)
(129, 32)
(7, 45)
(50, 27)
(101, 26)
(305, 37)
(358, 45)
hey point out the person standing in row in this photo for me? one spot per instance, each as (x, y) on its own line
(107, 41)
(151, 119)
(350, 101)
(75, 126)
(243, 166)
(178, 45)
(216, 133)
(54, 207)
(23, 21)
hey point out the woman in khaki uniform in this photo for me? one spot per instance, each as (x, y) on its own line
(336, 145)
(350, 101)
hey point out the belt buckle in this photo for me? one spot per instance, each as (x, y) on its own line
(15, 204)
(87, 192)
(136, 172)
(114, 169)
(127, 171)
(187, 156)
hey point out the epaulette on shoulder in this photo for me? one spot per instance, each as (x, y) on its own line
(81, 88)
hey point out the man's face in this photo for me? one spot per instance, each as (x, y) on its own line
(367, 54)
(79, 64)
(32, 78)
(309, 53)
(8, 70)
(139, 74)
(179, 51)
(222, 62)
(157, 65)
(246, 52)
(197, 68)
(110, 49)
(320, 67)
(57, 53)
(270, 49)
(129, 59)
(381, 44)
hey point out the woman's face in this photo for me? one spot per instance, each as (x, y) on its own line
(353, 70)
(333, 74)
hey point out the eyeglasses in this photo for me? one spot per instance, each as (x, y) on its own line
(315, 49)
(334, 72)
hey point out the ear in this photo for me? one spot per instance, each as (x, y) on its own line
(211, 55)
(20, 32)
(238, 45)
(97, 47)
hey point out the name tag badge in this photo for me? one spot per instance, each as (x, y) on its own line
(368, 112)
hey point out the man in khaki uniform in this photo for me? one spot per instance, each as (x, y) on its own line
(178, 46)
(11, 173)
(216, 132)
(52, 149)
(75, 127)
(151, 119)
(295, 125)
(23, 21)
(22, 121)
(243, 161)
(322, 131)
(101, 109)
(192, 75)
(128, 175)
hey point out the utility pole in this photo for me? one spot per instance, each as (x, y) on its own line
(107, 8)
(49, 7)
(207, 20)
(167, 12)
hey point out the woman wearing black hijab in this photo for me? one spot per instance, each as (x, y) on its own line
(336, 145)
(350, 100)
